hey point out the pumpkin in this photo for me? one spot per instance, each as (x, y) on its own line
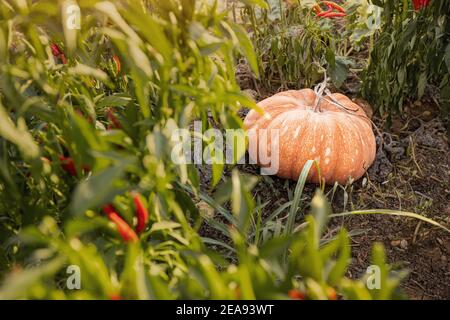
(330, 129)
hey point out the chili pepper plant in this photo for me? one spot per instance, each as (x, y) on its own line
(415, 42)
(299, 40)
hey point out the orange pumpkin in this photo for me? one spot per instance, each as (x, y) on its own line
(332, 130)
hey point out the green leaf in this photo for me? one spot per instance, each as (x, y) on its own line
(297, 197)
(237, 189)
(215, 242)
(421, 84)
(355, 290)
(113, 101)
(84, 138)
(378, 259)
(321, 211)
(339, 71)
(216, 285)
(164, 225)
(217, 170)
(447, 57)
(158, 288)
(77, 227)
(19, 135)
(98, 189)
(339, 268)
(274, 247)
(310, 264)
(152, 32)
(84, 70)
(134, 282)
(18, 284)
(110, 10)
(246, 47)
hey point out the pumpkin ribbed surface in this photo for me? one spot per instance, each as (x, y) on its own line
(340, 139)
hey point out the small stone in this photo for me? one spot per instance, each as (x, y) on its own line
(364, 182)
(427, 115)
(404, 244)
(395, 243)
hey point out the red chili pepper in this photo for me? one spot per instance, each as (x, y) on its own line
(112, 117)
(117, 61)
(125, 231)
(323, 13)
(141, 213)
(55, 49)
(420, 4)
(115, 297)
(334, 15)
(58, 53)
(296, 294)
(333, 5)
(68, 165)
(330, 13)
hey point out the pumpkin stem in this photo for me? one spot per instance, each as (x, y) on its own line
(318, 90)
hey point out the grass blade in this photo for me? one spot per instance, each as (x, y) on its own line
(391, 213)
(297, 195)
